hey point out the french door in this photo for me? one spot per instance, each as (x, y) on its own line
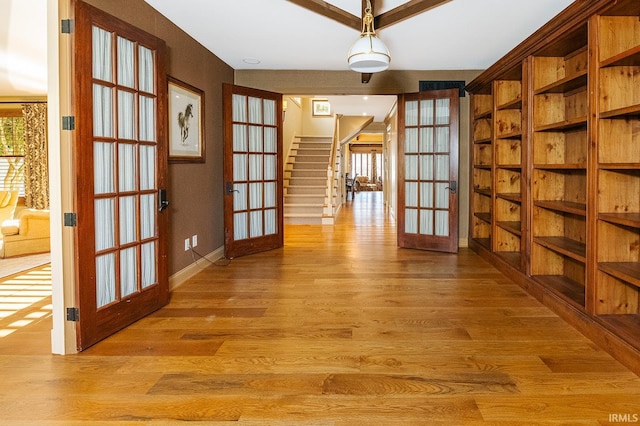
(120, 164)
(253, 171)
(428, 170)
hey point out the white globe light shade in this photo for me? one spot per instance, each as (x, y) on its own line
(368, 55)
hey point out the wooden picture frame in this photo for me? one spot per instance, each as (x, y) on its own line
(186, 122)
(320, 108)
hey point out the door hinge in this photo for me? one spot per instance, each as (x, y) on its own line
(68, 122)
(73, 314)
(70, 219)
(66, 26)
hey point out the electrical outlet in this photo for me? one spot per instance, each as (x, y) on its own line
(194, 241)
(187, 244)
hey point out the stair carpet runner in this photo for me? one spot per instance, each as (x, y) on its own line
(306, 180)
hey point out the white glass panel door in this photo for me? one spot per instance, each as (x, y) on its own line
(429, 173)
(253, 171)
(121, 164)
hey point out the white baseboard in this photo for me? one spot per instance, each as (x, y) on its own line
(463, 242)
(185, 274)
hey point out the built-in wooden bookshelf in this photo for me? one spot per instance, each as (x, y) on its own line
(556, 169)
(508, 173)
(617, 277)
(482, 165)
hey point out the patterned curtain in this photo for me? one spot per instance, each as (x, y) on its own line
(374, 167)
(36, 176)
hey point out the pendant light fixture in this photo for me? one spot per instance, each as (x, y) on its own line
(368, 54)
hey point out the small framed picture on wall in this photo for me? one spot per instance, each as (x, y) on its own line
(186, 122)
(321, 108)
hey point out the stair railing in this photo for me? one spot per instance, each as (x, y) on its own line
(332, 176)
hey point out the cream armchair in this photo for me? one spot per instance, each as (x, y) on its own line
(28, 233)
(8, 203)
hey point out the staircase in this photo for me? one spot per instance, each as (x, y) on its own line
(305, 185)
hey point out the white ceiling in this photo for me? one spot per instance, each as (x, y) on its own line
(459, 35)
(23, 48)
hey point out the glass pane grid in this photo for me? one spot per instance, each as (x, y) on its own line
(124, 166)
(427, 160)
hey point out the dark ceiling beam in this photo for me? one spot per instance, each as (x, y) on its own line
(405, 11)
(332, 12)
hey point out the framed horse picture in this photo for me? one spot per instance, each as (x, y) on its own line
(186, 122)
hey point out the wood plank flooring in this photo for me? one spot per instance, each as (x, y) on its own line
(339, 327)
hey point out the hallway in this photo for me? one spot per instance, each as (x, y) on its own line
(339, 327)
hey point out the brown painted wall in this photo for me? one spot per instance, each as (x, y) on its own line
(195, 190)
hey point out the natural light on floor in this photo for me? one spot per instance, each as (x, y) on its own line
(24, 298)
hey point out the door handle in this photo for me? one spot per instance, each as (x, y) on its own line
(230, 189)
(453, 186)
(163, 203)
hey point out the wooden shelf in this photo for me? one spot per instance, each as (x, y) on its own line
(481, 115)
(566, 288)
(482, 166)
(579, 209)
(513, 104)
(514, 167)
(483, 216)
(574, 123)
(626, 271)
(511, 135)
(482, 141)
(561, 166)
(634, 167)
(483, 191)
(514, 197)
(565, 246)
(625, 112)
(484, 242)
(630, 57)
(626, 326)
(515, 227)
(513, 258)
(567, 84)
(626, 219)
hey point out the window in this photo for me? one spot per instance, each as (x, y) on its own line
(367, 164)
(12, 151)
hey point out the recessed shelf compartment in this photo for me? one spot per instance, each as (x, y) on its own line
(619, 142)
(619, 191)
(482, 129)
(619, 91)
(560, 148)
(567, 84)
(619, 40)
(508, 94)
(482, 106)
(570, 290)
(508, 152)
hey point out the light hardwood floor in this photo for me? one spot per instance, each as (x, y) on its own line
(340, 327)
